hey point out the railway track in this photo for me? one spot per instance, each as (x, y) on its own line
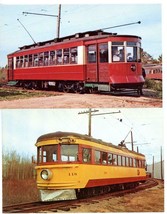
(67, 205)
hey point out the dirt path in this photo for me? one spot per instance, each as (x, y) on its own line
(143, 201)
(70, 100)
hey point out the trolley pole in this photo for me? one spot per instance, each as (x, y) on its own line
(89, 112)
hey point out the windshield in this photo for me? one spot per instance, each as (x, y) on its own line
(69, 152)
(49, 153)
(133, 52)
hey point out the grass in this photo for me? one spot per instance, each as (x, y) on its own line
(19, 191)
(154, 85)
(13, 94)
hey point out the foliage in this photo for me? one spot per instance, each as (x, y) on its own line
(154, 85)
(16, 167)
(19, 191)
(19, 183)
(147, 58)
(3, 74)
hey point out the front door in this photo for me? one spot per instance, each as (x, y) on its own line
(97, 67)
(92, 64)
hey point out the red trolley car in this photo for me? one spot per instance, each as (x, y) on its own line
(93, 60)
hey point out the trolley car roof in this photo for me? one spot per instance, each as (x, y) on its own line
(88, 35)
(55, 135)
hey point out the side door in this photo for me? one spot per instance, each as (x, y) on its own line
(103, 63)
(91, 63)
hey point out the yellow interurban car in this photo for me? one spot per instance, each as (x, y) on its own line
(71, 165)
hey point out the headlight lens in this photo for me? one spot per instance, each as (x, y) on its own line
(46, 174)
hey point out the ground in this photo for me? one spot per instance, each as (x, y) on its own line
(149, 200)
(70, 100)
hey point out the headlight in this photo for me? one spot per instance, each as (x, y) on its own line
(46, 174)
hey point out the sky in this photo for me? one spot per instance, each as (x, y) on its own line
(20, 128)
(78, 18)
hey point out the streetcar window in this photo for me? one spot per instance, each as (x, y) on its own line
(137, 162)
(17, 62)
(52, 57)
(131, 54)
(104, 157)
(35, 60)
(21, 61)
(26, 61)
(47, 154)
(123, 161)
(118, 54)
(46, 58)
(139, 54)
(117, 43)
(130, 162)
(92, 54)
(103, 49)
(140, 165)
(97, 157)
(110, 159)
(86, 155)
(30, 61)
(131, 43)
(59, 56)
(134, 163)
(73, 55)
(66, 56)
(69, 152)
(114, 160)
(119, 160)
(41, 59)
(127, 161)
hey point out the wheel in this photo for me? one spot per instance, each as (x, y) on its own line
(66, 88)
(77, 88)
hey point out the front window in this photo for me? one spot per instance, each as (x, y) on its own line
(118, 52)
(47, 154)
(133, 52)
(69, 152)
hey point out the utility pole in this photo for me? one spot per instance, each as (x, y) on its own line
(89, 112)
(132, 140)
(153, 168)
(43, 14)
(161, 165)
(58, 21)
